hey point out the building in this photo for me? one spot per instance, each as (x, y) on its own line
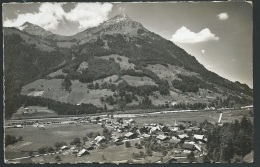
(83, 152)
(162, 137)
(130, 135)
(183, 136)
(169, 160)
(99, 139)
(146, 135)
(64, 148)
(187, 146)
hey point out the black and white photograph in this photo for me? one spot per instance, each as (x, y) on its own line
(128, 82)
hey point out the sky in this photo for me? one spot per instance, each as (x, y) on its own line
(218, 34)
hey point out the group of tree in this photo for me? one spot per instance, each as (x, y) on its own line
(59, 107)
(191, 83)
(152, 145)
(194, 106)
(232, 140)
(66, 84)
(25, 63)
(9, 139)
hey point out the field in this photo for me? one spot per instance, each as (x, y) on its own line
(33, 138)
(33, 112)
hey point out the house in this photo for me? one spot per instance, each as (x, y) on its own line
(196, 129)
(89, 145)
(125, 125)
(146, 135)
(169, 160)
(188, 130)
(162, 137)
(99, 139)
(183, 136)
(83, 152)
(154, 129)
(188, 146)
(197, 137)
(64, 148)
(130, 135)
(174, 141)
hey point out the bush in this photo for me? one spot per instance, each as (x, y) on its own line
(149, 152)
(58, 145)
(10, 140)
(139, 146)
(42, 150)
(127, 144)
(76, 141)
(30, 153)
(20, 138)
(57, 158)
(50, 149)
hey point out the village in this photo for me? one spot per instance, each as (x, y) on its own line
(152, 142)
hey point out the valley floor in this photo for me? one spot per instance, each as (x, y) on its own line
(62, 130)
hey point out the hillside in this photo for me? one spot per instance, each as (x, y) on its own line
(116, 65)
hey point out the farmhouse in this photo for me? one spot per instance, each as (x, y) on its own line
(64, 148)
(188, 146)
(169, 160)
(183, 136)
(162, 137)
(83, 152)
(130, 135)
(174, 141)
(146, 135)
(99, 139)
(198, 137)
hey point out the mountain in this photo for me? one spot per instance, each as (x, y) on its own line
(118, 64)
(34, 30)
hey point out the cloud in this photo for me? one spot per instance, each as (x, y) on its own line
(89, 14)
(222, 16)
(203, 51)
(121, 9)
(233, 60)
(50, 15)
(184, 35)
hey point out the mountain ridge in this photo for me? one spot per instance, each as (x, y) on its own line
(117, 47)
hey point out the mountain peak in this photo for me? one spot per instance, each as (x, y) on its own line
(28, 25)
(34, 29)
(118, 18)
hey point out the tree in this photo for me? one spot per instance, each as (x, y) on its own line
(122, 103)
(50, 149)
(76, 141)
(10, 140)
(206, 159)
(96, 85)
(164, 152)
(106, 133)
(57, 158)
(20, 138)
(127, 144)
(191, 157)
(30, 153)
(149, 152)
(66, 84)
(58, 145)
(42, 150)
(102, 99)
(105, 107)
(85, 138)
